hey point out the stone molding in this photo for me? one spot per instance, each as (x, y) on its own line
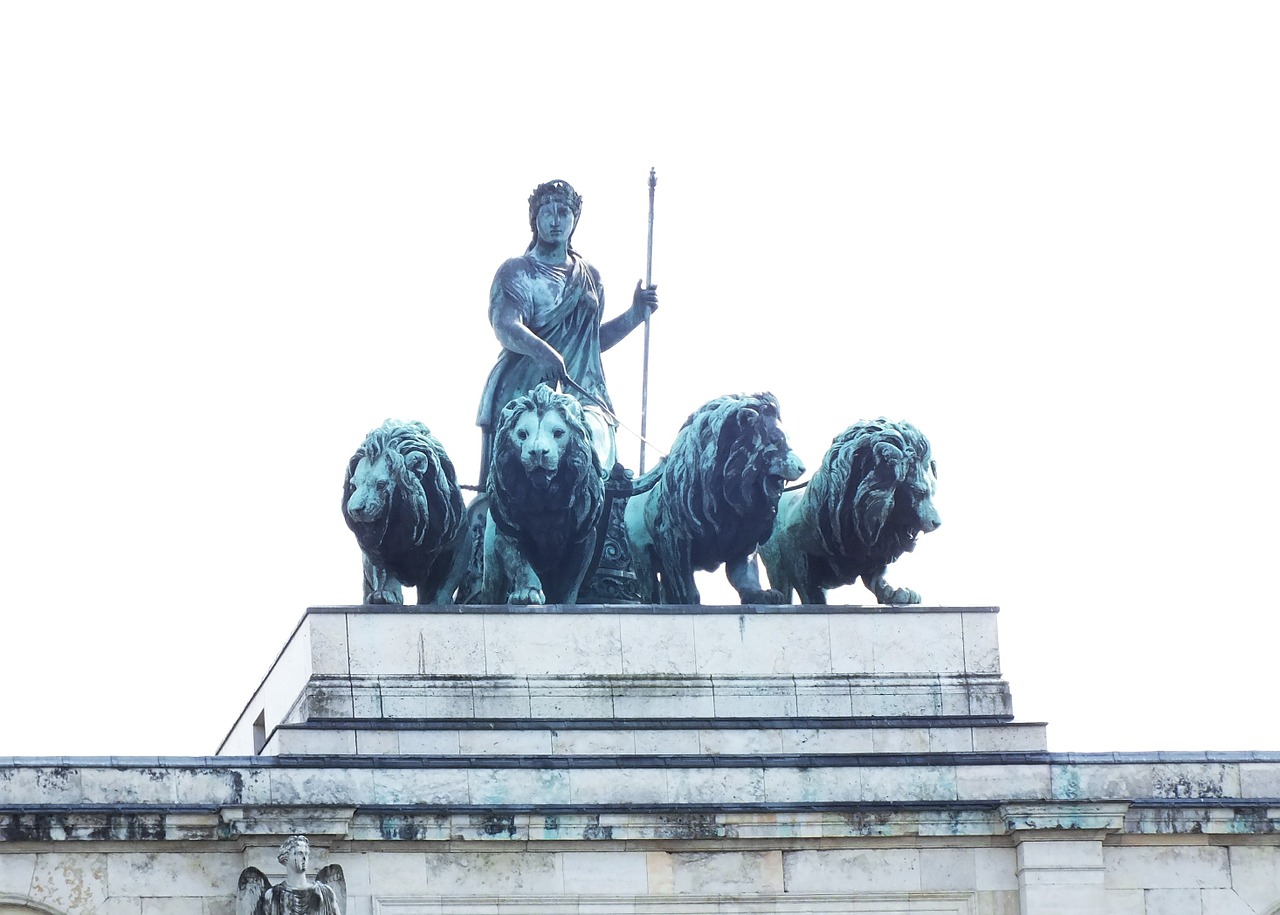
(919, 903)
(647, 609)
(654, 823)
(760, 782)
(275, 821)
(665, 737)
(25, 904)
(1035, 819)
(335, 699)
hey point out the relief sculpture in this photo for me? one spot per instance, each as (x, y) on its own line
(296, 895)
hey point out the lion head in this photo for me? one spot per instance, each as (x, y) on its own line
(401, 492)
(727, 469)
(875, 490)
(543, 461)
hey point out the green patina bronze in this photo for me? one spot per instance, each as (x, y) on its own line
(863, 508)
(558, 517)
(715, 500)
(546, 308)
(545, 496)
(401, 499)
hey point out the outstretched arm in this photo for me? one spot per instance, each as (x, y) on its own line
(643, 302)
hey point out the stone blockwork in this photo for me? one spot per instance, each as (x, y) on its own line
(377, 674)
(648, 761)
(1071, 873)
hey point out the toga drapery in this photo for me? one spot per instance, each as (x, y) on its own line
(562, 306)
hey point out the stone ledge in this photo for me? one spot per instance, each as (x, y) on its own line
(227, 763)
(672, 738)
(879, 903)
(709, 782)
(645, 609)
(671, 761)
(726, 723)
(791, 823)
(1106, 817)
(613, 697)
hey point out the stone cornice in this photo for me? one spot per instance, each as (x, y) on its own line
(742, 823)
(1104, 817)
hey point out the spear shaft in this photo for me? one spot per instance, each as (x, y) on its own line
(648, 281)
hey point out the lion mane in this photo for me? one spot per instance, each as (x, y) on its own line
(401, 499)
(552, 527)
(715, 499)
(865, 506)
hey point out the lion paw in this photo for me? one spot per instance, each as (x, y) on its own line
(763, 597)
(527, 596)
(899, 596)
(385, 597)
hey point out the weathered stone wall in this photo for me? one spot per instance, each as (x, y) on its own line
(1061, 875)
(648, 761)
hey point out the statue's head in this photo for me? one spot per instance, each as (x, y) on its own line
(555, 193)
(295, 850)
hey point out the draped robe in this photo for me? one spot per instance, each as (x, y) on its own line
(564, 311)
(316, 899)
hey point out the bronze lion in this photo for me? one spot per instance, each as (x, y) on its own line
(863, 508)
(715, 500)
(402, 501)
(545, 494)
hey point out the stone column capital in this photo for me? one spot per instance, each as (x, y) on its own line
(1047, 820)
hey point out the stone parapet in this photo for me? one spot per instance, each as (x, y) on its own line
(578, 737)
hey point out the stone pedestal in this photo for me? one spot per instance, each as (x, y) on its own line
(636, 681)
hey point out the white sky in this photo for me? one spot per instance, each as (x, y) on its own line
(236, 236)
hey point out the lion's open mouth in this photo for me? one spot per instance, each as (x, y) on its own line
(541, 477)
(773, 485)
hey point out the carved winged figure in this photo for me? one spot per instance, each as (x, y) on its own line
(296, 895)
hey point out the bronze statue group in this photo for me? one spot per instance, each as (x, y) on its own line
(558, 520)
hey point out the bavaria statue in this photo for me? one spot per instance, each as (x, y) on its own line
(558, 519)
(546, 308)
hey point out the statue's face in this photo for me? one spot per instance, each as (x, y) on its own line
(297, 860)
(555, 222)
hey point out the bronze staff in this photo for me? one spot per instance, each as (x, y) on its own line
(648, 281)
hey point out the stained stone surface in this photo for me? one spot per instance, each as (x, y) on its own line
(771, 761)
(606, 663)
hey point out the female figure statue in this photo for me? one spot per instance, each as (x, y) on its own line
(546, 308)
(295, 895)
